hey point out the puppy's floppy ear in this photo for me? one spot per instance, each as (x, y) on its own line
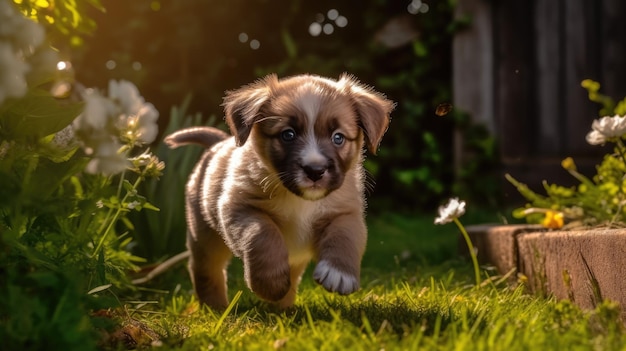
(242, 106)
(372, 108)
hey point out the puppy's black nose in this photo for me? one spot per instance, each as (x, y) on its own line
(314, 172)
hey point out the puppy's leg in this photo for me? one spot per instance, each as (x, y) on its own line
(296, 277)
(265, 257)
(207, 267)
(340, 247)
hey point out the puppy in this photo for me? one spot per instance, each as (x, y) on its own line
(286, 189)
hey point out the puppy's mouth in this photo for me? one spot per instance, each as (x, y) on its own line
(313, 182)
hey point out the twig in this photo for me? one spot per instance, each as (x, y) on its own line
(167, 264)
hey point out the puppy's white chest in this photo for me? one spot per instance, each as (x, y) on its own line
(296, 217)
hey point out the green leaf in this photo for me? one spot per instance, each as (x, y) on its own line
(128, 186)
(35, 116)
(420, 49)
(127, 223)
(290, 44)
(150, 206)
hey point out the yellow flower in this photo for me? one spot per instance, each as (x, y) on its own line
(568, 164)
(553, 220)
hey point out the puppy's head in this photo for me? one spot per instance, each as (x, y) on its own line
(307, 129)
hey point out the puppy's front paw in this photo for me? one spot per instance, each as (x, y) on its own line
(270, 284)
(334, 280)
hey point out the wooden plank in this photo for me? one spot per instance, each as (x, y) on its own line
(514, 80)
(613, 39)
(581, 63)
(548, 23)
(472, 61)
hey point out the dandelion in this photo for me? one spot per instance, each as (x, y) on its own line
(606, 129)
(451, 213)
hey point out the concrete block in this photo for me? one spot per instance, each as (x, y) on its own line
(584, 266)
(496, 244)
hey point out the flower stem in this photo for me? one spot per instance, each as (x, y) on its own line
(116, 216)
(472, 252)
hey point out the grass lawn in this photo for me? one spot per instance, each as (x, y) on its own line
(416, 294)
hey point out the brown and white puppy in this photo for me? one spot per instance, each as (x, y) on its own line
(286, 189)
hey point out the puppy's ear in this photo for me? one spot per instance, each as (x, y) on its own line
(242, 106)
(372, 108)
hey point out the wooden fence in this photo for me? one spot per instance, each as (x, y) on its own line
(518, 69)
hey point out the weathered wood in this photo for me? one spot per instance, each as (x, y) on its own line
(613, 45)
(541, 51)
(581, 46)
(514, 81)
(473, 63)
(550, 116)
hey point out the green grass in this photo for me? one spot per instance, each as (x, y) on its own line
(416, 294)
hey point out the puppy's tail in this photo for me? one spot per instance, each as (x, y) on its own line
(205, 136)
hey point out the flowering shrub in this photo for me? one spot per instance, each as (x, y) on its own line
(69, 177)
(599, 200)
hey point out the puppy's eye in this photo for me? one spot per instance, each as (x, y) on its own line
(338, 139)
(288, 135)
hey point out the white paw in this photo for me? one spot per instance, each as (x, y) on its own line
(335, 280)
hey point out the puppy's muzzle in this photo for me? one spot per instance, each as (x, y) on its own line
(315, 172)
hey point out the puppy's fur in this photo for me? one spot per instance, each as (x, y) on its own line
(286, 189)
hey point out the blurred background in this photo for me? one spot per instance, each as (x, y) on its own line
(483, 87)
(172, 49)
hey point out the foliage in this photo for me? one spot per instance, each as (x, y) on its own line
(66, 20)
(599, 200)
(63, 222)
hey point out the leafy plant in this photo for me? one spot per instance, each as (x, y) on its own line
(69, 174)
(599, 200)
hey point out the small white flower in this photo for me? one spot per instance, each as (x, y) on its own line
(605, 129)
(20, 39)
(107, 160)
(147, 127)
(595, 138)
(132, 205)
(453, 209)
(127, 95)
(107, 165)
(97, 111)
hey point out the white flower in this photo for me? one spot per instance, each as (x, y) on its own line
(107, 160)
(147, 127)
(605, 129)
(20, 38)
(132, 205)
(12, 73)
(126, 95)
(107, 122)
(453, 209)
(97, 111)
